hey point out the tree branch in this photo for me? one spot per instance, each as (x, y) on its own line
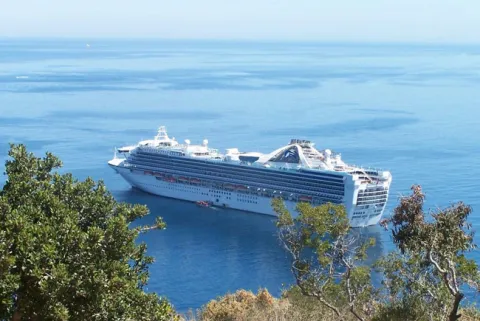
(351, 296)
(334, 309)
(432, 260)
(453, 313)
(443, 272)
(454, 275)
(356, 314)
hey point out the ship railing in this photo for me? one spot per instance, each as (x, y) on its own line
(237, 181)
(153, 164)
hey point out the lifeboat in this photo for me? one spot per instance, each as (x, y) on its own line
(183, 179)
(305, 198)
(156, 174)
(229, 186)
(195, 180)
(241, 188)
(204, 203)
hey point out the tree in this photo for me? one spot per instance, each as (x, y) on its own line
(430, 265)
(66, 249)
(325, 258)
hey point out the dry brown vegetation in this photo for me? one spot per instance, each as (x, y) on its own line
(246, 306)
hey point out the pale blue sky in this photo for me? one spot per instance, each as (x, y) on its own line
(333, 20)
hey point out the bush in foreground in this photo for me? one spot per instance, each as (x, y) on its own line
(66, 249)
(243, 305)
(294, 306)
(247, 306)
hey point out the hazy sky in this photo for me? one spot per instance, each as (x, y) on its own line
(332, 20)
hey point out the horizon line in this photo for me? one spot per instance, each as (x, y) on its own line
(245, 40)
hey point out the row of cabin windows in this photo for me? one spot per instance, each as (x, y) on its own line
(328, 186)
(373, 193)
(253, 190)
(219, 192)
(263, 177)
(331, 178)
(247, 201)
(268, 180)
(176, 188)
(369, 198)
(247, 196)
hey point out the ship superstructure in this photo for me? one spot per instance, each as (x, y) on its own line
(248, 181)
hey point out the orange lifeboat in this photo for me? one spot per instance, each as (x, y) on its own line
(204, 203)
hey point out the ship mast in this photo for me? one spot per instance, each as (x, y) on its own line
(162, 134)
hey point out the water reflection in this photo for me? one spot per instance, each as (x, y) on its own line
(213, 251)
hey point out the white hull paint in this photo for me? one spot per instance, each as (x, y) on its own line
(222, 198)
(194, 193)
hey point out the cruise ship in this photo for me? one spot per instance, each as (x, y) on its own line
(248, 181)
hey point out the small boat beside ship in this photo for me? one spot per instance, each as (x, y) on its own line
(204, 203)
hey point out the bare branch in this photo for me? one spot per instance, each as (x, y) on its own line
(356, 314)
(437, 266)
(454, 275)
(334, 309)
(442, 272)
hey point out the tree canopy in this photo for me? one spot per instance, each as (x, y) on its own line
(326, 258)
(431, 267)
(66, 249)
(425, 278)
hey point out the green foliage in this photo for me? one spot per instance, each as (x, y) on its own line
(431, 267)
(66, 249)
(407, 309)
(325, 258)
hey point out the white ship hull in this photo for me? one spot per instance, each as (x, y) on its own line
(249, 202)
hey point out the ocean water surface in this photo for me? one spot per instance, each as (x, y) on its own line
(412, 109)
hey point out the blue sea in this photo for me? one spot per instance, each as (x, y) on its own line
(411, 109)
